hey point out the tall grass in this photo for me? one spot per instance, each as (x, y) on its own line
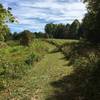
(85, 59)
(16, 60)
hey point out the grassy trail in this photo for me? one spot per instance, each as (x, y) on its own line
(51, 68)
(37, 84)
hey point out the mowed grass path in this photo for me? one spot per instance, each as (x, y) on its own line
(51, 68)
(37, 84)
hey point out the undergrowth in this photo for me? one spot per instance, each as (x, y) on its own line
(85, 81)
(16, 60)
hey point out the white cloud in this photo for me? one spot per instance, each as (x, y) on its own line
(34, 14)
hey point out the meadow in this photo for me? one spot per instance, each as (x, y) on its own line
(17, 60)
(58, 62)
(49, 69)
(26, 69)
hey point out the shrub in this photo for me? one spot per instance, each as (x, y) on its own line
(33, 57)
(26, 38)
(85, 59)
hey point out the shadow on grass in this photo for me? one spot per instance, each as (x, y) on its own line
(83, 83)
(74, 87)
(66, 88)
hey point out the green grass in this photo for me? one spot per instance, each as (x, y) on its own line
(51, 69)
(84, 82)
(16, 60)
(37, 79)
(60, 42)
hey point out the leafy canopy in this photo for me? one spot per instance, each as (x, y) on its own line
(5, 17)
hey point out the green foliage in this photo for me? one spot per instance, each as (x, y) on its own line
(5, 16)
(39, 35)
(62, 31)
(39, 76)
(50, 29)
(26, 38)
(78, 76)
(91, 22)
(74, 29)
(85, 59)
(61, 43)
(17, 60)
(33, 57)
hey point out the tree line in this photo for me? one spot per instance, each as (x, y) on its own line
(88, 29)
(60, 31)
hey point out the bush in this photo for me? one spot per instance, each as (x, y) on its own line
(33, 57)
(26, 38)
(85, 59)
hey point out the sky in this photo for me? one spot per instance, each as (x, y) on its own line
(33, 15)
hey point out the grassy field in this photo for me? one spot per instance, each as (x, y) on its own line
(16, 61)
(27, 72)
(51, 69)
(60, 42)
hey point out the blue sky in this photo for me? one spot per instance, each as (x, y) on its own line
(34, 14)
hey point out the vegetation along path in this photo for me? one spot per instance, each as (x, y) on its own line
(50, 69)
(37, 84)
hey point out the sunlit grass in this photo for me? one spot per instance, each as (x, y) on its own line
(36, 79)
